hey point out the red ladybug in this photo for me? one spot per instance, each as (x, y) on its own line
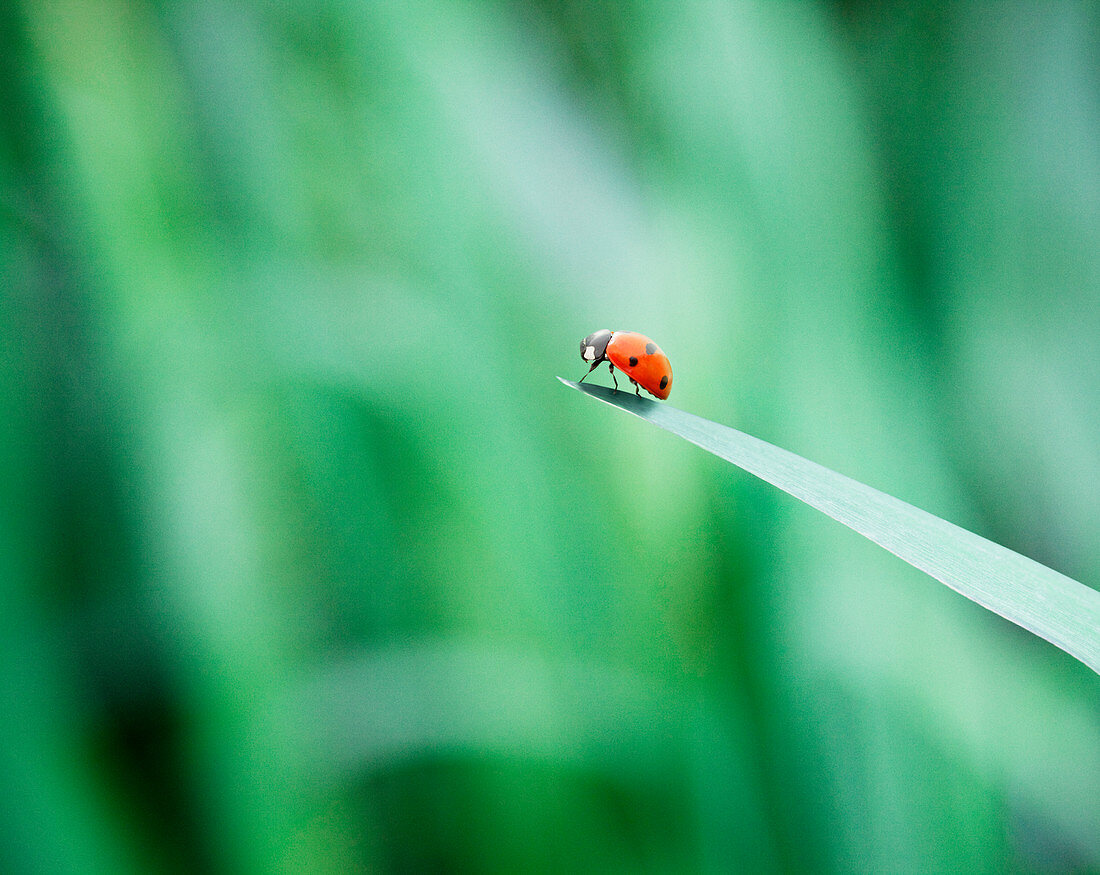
(634, 354)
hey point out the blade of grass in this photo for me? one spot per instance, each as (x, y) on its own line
(1053, 606)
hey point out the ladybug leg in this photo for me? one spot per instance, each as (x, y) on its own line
(611, 368)
(636, 392)
(590, 370)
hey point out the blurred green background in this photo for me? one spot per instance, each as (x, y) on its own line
(308, 563)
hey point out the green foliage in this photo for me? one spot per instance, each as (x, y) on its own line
(306, 565)
(1051, 605)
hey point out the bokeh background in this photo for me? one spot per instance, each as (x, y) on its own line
(308, 563)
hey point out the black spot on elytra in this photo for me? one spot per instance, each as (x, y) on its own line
(664, 381)
(633, 361)
(650, 348)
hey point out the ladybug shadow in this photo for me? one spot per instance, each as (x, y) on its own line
(618, 397)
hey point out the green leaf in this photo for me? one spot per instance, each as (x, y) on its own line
(1051, 605)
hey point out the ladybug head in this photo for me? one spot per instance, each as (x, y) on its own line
(594, 347)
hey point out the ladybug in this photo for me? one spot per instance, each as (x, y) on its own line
(634, 354)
